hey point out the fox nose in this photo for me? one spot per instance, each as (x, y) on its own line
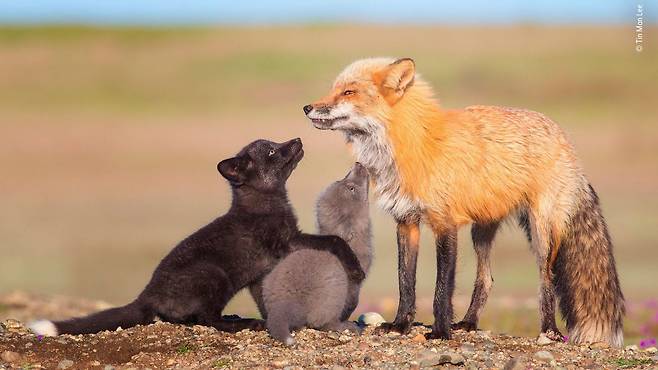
(308, 109)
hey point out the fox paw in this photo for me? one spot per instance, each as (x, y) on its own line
(387, 327)
(465, 326)
(444, 335)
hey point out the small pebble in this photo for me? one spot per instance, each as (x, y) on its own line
(467, 348)
(10, 356)
(419, 338)
(651, 350)
(544, 340)
(370, 318)
(344, 338)
(632, 348)
(280, 364)
(428, 358)
(599, 345)
(515, 363)
(65, 364)
(544, 356)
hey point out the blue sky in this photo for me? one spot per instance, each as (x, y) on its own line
(163, 12)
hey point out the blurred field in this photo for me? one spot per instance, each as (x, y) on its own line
(110, 139)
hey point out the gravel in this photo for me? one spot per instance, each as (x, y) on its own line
(167, 346)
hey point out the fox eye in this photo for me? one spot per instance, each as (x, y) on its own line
(351, 189)
(272, 151)
(349, 92)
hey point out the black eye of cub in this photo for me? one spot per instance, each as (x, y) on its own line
(272, 151)
(349, 92)
(351, 188)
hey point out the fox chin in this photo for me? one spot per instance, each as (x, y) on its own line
(478, 165)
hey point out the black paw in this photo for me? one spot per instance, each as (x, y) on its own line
(387, 327)
(434, 334)
(258, 325)
(465, 325)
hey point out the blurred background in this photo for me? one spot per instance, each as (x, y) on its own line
(113, 115)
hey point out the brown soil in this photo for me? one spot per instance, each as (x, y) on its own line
(163, 345)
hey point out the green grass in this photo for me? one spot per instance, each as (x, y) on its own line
(185, 348)
(623, 363)
(222, 363)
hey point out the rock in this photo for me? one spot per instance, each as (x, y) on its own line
(467, 348)
(486, 334)
(651, 350)
(14, 326)
(428, 358)
(170, 362)
(109, 367)
(419, 338)
(65, 364)
(515, 363)
(544, 356)
(599, 345)
(632, 348)
(344, 338)
(95, 363)
(371, 318)
(280, 364)
(9, 356)
(544, 340)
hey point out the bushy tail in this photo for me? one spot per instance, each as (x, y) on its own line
(585, 277)
(282, 319)
(127, 316)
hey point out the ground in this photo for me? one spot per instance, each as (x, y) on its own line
(163, 345)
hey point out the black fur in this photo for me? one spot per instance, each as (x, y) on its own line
(195, 281)
(446, 259)
(407, 262)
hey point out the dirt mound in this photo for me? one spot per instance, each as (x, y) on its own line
(163, 345)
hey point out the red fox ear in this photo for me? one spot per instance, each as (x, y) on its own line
(399, 75)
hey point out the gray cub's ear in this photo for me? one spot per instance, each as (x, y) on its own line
(233, 170)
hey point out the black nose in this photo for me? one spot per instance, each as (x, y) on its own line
(308, 109)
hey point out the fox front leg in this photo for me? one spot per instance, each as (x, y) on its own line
(408, 243)
(446, 260)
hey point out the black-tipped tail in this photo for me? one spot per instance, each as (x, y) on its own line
(585, 277)
(127, 316)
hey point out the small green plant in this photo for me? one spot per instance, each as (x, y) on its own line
(628, 363)
(222, 363)
(185, 348)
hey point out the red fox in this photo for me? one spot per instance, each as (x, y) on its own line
(477, 165)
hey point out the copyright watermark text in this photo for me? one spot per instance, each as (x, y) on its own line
(639, 27)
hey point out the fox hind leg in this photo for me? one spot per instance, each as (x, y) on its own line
(541, 241)
(483, 236)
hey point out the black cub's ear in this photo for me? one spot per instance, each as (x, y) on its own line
(233, 170)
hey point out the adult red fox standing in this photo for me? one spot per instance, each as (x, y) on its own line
(477, 165)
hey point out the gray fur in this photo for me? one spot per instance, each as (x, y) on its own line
(310, 287)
